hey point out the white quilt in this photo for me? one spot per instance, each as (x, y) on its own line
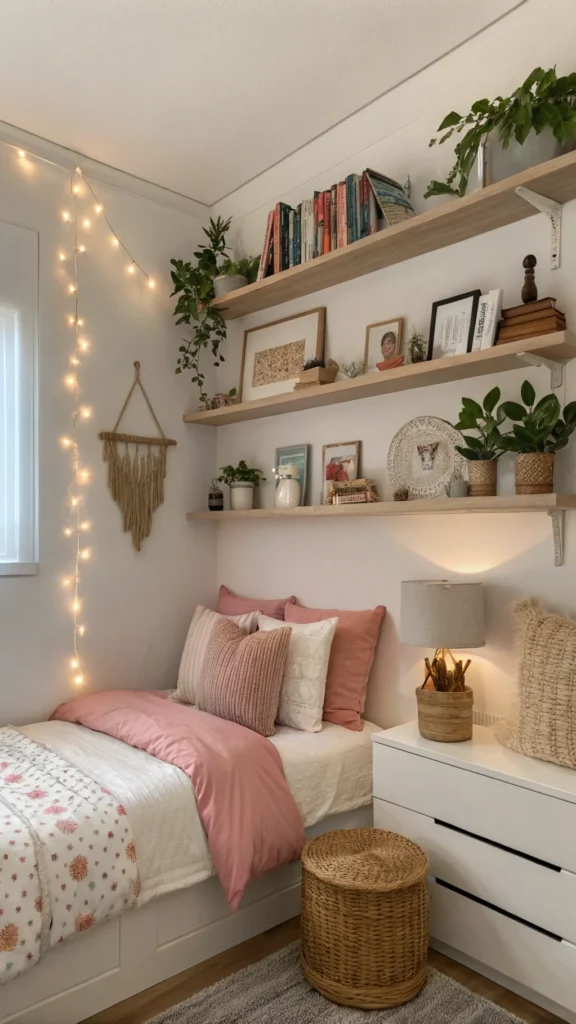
(329, 772)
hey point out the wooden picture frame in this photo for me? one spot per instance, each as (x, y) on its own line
(313, 348)
(396, 328)
(453, 339)
(348, 450)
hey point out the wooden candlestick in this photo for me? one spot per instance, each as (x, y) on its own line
(529, 289)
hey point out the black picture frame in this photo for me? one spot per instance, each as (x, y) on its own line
(475, 297)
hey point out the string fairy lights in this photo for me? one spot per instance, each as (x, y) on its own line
(77, 526)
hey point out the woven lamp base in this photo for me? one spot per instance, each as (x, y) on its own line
(445, 717)
(364, 917)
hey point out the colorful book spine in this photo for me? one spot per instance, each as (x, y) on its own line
(356, 193)
(285, 218)
(307, 231)
(320, 225)
(316, 198)
(333, 218)
(297, 235)
(364, 207)
(278, 238)
(327, 220)
(291, 238)
(268, 241)
(372, 212)
(342, 223)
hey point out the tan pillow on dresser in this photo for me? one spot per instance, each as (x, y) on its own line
(242, 676)
(203, 622)
(545, 721)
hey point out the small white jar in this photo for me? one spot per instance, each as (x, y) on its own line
(288, 487)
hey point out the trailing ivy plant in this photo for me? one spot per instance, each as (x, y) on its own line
(542, 101)
(240, 473)
(194, 286)
(489, 444)
(538, 426)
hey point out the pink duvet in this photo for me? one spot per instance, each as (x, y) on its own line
(249, 815)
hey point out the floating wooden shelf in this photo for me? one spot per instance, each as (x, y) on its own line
(489, 208)
(555, 505)
(559, 346)
(432, 506)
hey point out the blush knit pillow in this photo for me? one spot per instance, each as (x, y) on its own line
(231, 604)
(242, 676)
(190, 672)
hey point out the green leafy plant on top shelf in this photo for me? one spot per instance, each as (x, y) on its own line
(489, 444)
(247, 267)
(194, 286)
(542, 101)
(240, 473)
(538, 426)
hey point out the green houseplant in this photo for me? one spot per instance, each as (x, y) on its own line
(483, 449)
(416, 347)
(242, 480)
(543, 103)
(235, 274)
(539, 430)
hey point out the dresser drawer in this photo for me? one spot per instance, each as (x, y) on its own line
(532, 891)
(542, 826)
(536, 961)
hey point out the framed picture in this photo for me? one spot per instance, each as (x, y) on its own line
(339, 462)
(452, 325)
(298, 455)
(272, 354)
(383, 341)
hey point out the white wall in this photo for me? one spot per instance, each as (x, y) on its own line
(137, 606)
(351, 565)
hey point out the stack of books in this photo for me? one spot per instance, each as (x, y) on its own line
(352, 209)
(529, 320)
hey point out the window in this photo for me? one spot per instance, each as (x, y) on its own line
(18, 319)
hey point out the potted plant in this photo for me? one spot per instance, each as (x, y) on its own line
(416, 347)
(484, 450)
(534, 124)
(540, 429)
(241, 480)
(317, 371)
(233, 275)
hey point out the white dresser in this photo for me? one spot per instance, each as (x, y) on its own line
(500, 832)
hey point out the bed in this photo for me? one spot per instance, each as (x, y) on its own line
(183, 917)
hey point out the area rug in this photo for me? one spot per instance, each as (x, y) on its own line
(274, 991)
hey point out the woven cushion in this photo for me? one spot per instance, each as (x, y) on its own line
(350, 662)
(544, 724)
(304, 682)
(242, 675)
(231, 604)
(190, 672)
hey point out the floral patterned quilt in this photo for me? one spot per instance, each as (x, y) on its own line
(67, 856)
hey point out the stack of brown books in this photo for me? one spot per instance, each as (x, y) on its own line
(529, 320)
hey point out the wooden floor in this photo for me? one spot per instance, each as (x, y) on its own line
(168, 993)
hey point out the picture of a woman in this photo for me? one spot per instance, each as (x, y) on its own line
(383, 343)
(388, 345)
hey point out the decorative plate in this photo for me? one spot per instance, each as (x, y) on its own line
(423, 458)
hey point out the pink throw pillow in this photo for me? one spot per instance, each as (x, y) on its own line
(231, 604)
(242, 675)
(350, 662)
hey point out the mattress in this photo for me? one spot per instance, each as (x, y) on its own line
(328, 773)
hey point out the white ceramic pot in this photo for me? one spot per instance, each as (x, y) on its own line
(502, 163)
(288, 489)
(228, 283)
(241, 495)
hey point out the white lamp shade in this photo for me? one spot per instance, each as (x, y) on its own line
(442, 613)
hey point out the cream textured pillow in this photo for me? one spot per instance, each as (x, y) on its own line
(242, 675)
(545, 725)
(304, 683)
(191, 663)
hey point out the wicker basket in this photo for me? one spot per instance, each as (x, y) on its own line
(482, 477)
(364, 917)
(445, 717)
(535, 473)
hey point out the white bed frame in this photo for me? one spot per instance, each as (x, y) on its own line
(142, 947)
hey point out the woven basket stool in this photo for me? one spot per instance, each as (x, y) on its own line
(364, 917)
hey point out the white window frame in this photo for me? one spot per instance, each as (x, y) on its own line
(18, 358)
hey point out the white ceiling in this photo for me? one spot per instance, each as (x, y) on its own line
(201, 95)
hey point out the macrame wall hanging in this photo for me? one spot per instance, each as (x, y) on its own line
(136, 478)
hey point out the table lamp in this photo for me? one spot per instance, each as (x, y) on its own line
(443, 614)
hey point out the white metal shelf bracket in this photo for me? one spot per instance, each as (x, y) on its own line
(553, 211)
(558, 515)
(556, 369)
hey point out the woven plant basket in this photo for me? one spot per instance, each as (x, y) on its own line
(364, 917)
(482, 477)
(445, 717)
(535, 473)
